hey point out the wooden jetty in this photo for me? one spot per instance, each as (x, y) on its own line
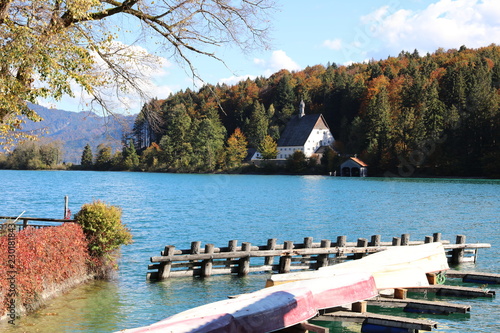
(286, 257)
(24, 222)
(474, 277)
(372, 319)
(458, 291)
(419, 306)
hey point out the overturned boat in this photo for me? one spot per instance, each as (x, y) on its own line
(270, 309)
(396, 267)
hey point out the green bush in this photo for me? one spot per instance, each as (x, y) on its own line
(103, 228)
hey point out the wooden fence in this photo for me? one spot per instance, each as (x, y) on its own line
(286, 257)
(24, 222)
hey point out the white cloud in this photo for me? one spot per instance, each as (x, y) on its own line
(235, 79)
(445, 23)
(279, 60)
(335, 44)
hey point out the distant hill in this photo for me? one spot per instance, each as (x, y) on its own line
(76, 129)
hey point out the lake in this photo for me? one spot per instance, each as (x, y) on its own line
(176, 209)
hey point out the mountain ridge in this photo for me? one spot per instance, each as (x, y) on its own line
(75, 129)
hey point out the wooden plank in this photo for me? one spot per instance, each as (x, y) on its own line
(422, 306)
(458, 291)
(474, 277)
(377, 319)
(36, 219)
(467, 246)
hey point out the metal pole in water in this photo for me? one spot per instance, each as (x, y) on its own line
(66, 203)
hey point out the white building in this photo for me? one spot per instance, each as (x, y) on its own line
(306, 133)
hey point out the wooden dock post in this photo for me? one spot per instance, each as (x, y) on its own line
(457, 255)
(323, 258)
(375, 240)
(341, 242)
(405, 239)
(431, 278)
(400, 293)
(286, 260)
(244, 262)
(271, 245)
(207, 264)
(428, 239)
(195, 247)
(308, 241)
(396, 241)
(437, 237)
(360, 307)
(362, 242)
(308, 244)
(164, 267)
(231, 247)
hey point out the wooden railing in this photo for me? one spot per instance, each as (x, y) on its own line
(235, 259)
(24, 222)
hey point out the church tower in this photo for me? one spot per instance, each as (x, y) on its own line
(302, 106)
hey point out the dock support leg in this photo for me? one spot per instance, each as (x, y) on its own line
(271, 245)
(457, 255)
(207, 264)
(286, 260)
(164, 269)
(244, 262)
(362, 242)
(323, 258)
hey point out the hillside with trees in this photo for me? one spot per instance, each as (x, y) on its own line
(63, 136)
(410, 115)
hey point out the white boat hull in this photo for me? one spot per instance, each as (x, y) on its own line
(269, 309)
(397, 267)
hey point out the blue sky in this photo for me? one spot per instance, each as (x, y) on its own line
(307, 33)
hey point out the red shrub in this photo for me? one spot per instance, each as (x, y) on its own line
(43, 258)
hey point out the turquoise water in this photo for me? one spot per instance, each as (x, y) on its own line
(176, 209)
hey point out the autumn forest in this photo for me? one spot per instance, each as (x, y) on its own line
(434, 115)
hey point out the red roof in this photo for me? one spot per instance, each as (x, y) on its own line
(360, 162)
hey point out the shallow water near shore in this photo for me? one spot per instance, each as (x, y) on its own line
(176, 209)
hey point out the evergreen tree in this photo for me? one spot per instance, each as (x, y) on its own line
(434, 113)
(176, 143)
(379, 128)
(208, 144)
(258, 125)
(130, 159)
(87, 157)
(285, 99)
